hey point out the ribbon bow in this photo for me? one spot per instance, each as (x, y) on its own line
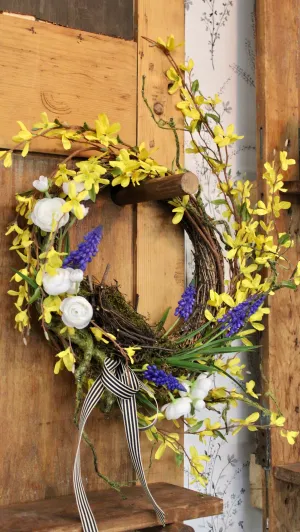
(122, 382)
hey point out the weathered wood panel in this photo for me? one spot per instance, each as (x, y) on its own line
(113, 514)
(160, 249)
(36, 407)
(110, 17)
(73, 78)
(278, 120)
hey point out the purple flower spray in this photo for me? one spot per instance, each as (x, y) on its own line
(79, 258)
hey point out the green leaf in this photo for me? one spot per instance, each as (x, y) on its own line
(35, 296)
(289, 284)
(141, 398)
(196, 427)
(190, 365)
(28, 280)
(192, 334)
(216, 118)
(67, 243)
(283, 239)
(163, 319)
(179, 459)
(195, 86)
(219, 202)
(86, 127)
(92, 194)
(246, 217)
(219, 433)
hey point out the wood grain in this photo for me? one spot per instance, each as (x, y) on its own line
(278, 120)
(160, 249)
(288, 473)
(110, 17)
(45, 435)
(71, 78)
(36, 407)
(121, 513)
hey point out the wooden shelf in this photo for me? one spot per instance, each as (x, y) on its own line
(288, 473)
(113, 512)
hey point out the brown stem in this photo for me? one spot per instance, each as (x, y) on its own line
(211, 247)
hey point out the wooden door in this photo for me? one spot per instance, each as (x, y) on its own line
(74, 75)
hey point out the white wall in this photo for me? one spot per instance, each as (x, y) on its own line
(225, 64)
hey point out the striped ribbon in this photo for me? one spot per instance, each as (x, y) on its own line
(119, 379)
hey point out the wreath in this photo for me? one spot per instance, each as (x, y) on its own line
(92, 326)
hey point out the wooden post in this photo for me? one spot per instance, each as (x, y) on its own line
(160, 244)
(277, 85)
(162, 188)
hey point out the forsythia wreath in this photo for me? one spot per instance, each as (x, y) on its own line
(92, 322)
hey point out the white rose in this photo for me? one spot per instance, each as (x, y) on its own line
(47, 209)
(76, 312)
(199, 404)
(76, 277)
(79, 188)
(41, 183)
(176, 409)
(58, 283)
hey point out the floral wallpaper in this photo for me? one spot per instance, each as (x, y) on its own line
(220, 37)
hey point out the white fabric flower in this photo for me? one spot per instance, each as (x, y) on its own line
(58, 283)
(204, 382)
(47, 209)
(176, 409)
(85, 210)
(187, 386)
(199, 404)
(79, 188)
(76, 312)
(197, 393)
(41, 184)
(76, 276)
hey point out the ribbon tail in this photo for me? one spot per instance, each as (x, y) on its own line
(86, 515)
(129, 412)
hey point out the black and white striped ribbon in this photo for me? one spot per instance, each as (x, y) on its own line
(119, 379)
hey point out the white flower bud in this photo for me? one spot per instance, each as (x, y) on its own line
(187, 386)
(76, 276)
(176, 409)
(41, 184)
(79, 188)
(199, 404)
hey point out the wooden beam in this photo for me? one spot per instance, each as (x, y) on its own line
(162, 188)
(110, 17)
(288, 473)
(277, 82)
(91, 61)
(129, 510)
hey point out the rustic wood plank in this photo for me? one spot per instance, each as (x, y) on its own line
(73, 79)
(36, 408)
(288, 473)
(277, 120)
(160, 249)
(113, 513)
(110, 17)
(162, 188)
